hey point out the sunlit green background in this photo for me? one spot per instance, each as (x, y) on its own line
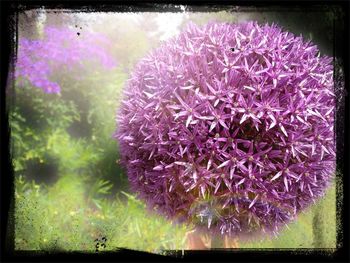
(69, 190)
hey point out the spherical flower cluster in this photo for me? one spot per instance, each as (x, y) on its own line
(60, 49)
(230, 126)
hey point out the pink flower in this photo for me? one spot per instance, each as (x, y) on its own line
(230, 126)
(37, 60)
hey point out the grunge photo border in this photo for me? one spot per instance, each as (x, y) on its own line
(9, 18)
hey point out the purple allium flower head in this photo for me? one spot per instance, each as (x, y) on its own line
(230, 126)
(60, 49)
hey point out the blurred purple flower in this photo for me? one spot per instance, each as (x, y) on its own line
(230, 123)
(60, 49)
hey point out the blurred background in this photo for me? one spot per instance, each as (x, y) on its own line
(70, 191)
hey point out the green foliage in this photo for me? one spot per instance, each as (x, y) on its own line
(33, 118)
(72, 154)
(49, 218)
(98, 189)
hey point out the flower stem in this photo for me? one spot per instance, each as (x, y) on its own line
(197, 240)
